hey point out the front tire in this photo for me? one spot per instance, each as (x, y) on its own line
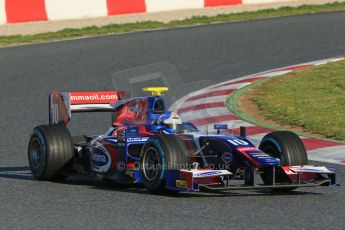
(160, 154)
(289, 149)
(286, 146)
(50, 150)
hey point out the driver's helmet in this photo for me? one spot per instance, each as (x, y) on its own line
(171, 121)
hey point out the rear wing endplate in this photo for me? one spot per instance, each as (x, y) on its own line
(63, 104)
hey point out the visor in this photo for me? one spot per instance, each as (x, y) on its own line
(174, 126)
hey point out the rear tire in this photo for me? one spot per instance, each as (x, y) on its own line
(50, 150)
(289, 149)
(160, 154)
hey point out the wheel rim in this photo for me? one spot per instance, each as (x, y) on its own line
(151, 164)
(37, 157)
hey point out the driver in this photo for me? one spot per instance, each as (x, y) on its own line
(171, 121)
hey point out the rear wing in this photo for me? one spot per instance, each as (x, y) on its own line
(63, 104)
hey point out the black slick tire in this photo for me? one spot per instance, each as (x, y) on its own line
(160, 154)
(50, 150)
(289, 149)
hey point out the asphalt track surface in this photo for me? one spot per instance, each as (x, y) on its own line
(215, 53)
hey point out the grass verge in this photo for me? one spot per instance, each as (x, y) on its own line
(312, 99)
(140, 26)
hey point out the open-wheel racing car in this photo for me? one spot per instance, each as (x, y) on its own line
(149, 145)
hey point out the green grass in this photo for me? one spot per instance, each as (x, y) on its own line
(313, 98)
(140, 26)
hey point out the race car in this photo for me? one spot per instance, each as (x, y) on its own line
(148, 145)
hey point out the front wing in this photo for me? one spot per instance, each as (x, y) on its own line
(221, 180)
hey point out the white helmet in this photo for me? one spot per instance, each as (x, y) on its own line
(171, 120)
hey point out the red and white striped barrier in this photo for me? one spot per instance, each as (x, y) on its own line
(208, 106)
(13, 11)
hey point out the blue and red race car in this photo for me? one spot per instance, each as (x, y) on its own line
(149, 145)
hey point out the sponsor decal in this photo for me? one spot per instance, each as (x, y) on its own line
(93, 97)
(59, 108)
(227, 157)
(100, 157)
(181, 184)
(309, 169)
(260, 155)
(137, 139)
(133, 111)
(315, 169)
(213, 173)
(237, 142)
(137, 108)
